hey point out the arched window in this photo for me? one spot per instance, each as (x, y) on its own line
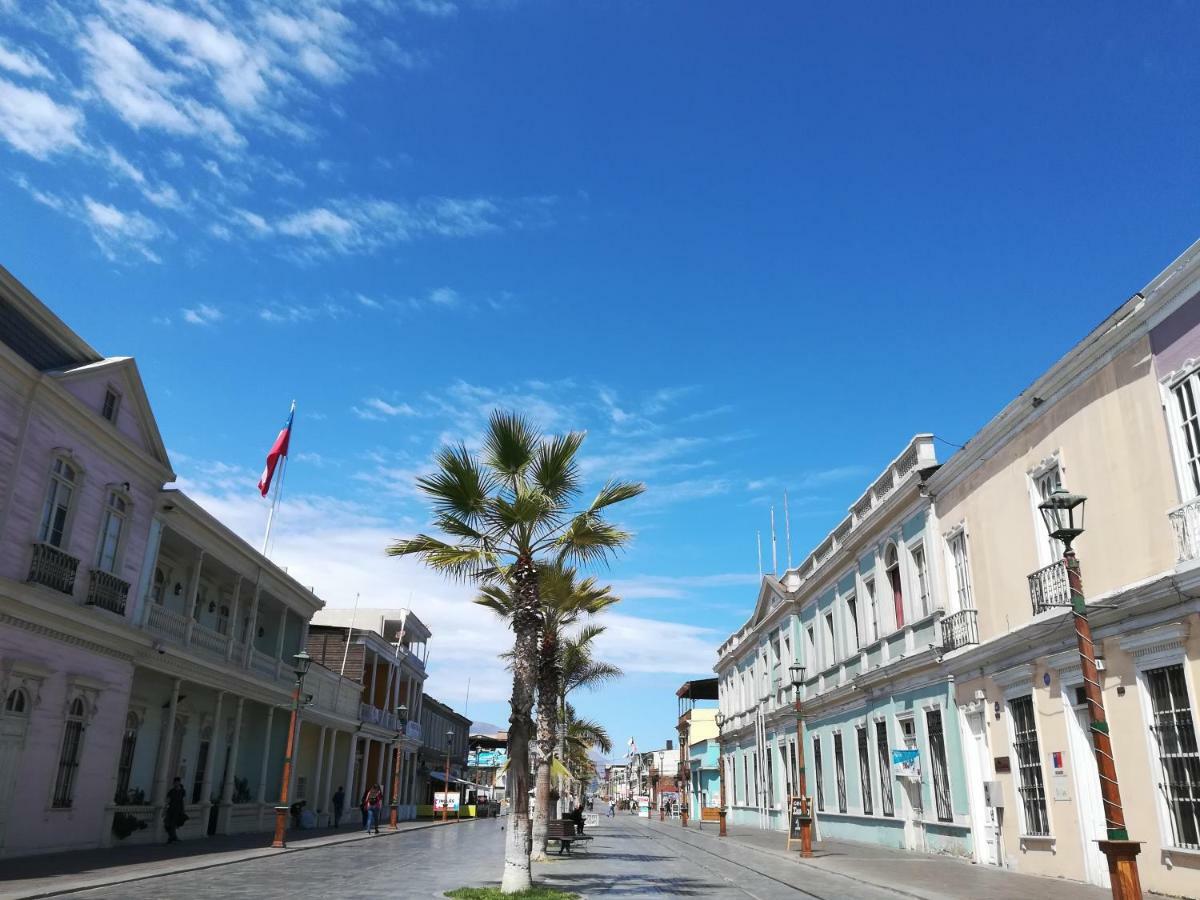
(111, 528)
(201, 764)
(57, 509)
(159, 590)
(223, 619)
(891, 562)
(17, 702)
(125, 765)
(68, 759)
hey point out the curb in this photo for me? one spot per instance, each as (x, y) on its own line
(259, 853)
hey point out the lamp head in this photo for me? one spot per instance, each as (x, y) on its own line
(402, 714)
(719, 718)
(1062, 512)
(302, 662)
(797, 673)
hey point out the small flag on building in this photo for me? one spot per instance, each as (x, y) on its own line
(278, 450)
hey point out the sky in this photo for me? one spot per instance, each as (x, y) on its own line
(747, 247)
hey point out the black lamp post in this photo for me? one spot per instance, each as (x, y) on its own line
(446, 795)
(1063, 514)
(303, 661)
(797, 672)
(402, 719)
(720, 720)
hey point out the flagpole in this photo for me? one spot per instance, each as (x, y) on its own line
(349, 635)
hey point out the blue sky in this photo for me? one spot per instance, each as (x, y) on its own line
(748, 247)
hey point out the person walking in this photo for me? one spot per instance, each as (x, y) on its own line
(362, 806)
(612, 809)
(374, 807)
(173, 815)
(339, 804)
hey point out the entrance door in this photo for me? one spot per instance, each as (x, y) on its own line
(914, 829)
(14, 722)
(986, 831)
(1087, 788)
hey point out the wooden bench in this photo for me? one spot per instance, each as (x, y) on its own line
(563, 831)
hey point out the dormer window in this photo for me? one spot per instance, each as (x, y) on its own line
(112, 403)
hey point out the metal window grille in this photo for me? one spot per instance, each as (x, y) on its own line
(941, 780)
(201, 766)
(839, 765)
(1189, 421)
(1029, 763)
(818, 771)
(794, 767)
(864, 772)
(888, 806)
(1178, 753)
(68, 760)
(756, 778)
(125, 765)
(770, 779)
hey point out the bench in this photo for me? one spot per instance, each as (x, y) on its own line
(563, 831)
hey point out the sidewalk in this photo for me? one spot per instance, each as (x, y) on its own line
(61, 873)
(919, 875)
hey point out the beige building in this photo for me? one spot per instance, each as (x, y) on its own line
(1115, 420)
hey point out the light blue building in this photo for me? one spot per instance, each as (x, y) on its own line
(857, 627)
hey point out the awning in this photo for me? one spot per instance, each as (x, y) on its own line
(440, 777)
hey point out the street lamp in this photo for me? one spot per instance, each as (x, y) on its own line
(653, 794)
(446, 796)
(720, 720)
(684, 778)
(303, 661)
(797, 672)
(402, 719)
(1063, 514)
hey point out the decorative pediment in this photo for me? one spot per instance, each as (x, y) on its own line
(770, 594)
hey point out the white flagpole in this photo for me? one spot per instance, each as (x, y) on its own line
(349, 635)
(774, 550)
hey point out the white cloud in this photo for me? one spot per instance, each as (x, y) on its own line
(32, 122)
(21, 62)
(285, 313)
(375, 409)
(676, 587)
(117, 231)
(369, 302)
(202, 315)
(438, 9)
(443, 296)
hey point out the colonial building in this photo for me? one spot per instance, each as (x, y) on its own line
(444, 737)
(697, 728)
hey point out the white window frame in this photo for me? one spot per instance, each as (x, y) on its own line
(895, 545)
(53, 482)
(854, 640)
(1048, 549)
(112, 511)
(1013, 692)
(922, 601)
(116, 409)
(1189, 371)
(954, 583)
(870, 590)
(828, 638)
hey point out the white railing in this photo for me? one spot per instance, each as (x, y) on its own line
(262, 663)
(167, 623)
(208, 640)
(1049, 588)
(370, 714)
(1185, 520)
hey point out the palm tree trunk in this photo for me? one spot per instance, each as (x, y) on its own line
(547, 706)
(526, 627)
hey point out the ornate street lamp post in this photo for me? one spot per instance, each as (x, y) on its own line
(402, 718)
(303, 661)
(654, 798)
(1063, 514)
(446, 796)
(685, 778)
(797, 672)
(720, 720)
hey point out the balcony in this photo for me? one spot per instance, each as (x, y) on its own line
(960, 629)
(209, 641)
(413, 730)
(263, 664)
(1049, 589)
(168, 623)
(107, 591)
(1185, 521)
(52, 568)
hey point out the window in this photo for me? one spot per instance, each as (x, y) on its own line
(937, 753)
(962, 572)
(892, 568)
(885, 768)
(125, 762)
(864, 770)
(852, 620)
(794, 768)
(1178, 754)
(223, 619)
(839, 766)
(811, 660)
(17, 702)
(785, 768)
(1046, 483)
(756, 778)
(746, 779)
(68, 758)
(53, 529)
(158, 591)
(202, 767)
(872, 610)
(830, 643)
(922, 570)
(1029, 762)
(112, 402)
(1189, 427)
(111, 528)
(770, 779)
(819, 772)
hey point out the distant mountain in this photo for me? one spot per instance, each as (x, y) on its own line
(485, 728)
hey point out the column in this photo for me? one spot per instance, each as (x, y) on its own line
(266, 755)
(213, 757)
(146, 583)
(279, 641)
(227, 789)
(252, 628)
(327, 781)
(379, 763)
(352, 793)
(159, 792)
(318, 803)
(295, 757)
(235, 618)
(193, 595)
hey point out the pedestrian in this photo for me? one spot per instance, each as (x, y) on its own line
(339, 804)
(374, 807)
(173, 815)
(612, 809)
(362, 806)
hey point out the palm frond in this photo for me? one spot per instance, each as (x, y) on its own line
(461, 561)
(616, 492)
(555, 468)
(509, 445)
(497, 599)
(588, 539)
(459, 487)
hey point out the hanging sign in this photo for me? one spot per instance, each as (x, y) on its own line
(906, 763)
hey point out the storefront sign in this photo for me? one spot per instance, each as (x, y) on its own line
(906, 763)
(445, 800)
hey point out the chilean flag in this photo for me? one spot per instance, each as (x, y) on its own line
(278, 449)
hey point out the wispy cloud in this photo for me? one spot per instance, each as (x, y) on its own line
(34, 123)
(667, 587)
(202, 315)
(283, 313)
(21, 62)
(376, 409)
(438, 9)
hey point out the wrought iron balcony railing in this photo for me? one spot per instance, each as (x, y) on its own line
(960, 629)
(107, 591)
(1048, 588)
(53, 568)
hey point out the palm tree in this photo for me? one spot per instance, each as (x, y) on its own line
(583, 735)
(578, 668)
(504, 513)
(565, 599)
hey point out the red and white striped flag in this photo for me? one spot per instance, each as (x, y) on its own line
(278, 449)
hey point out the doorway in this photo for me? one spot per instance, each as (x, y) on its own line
(978, 757)
(914, 812)
(14, 723)
(1088, 805)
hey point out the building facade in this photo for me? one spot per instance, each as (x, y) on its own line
(445, 736)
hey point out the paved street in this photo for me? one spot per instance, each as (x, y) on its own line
(629, 858)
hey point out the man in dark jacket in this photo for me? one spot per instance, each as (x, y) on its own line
(173, 815)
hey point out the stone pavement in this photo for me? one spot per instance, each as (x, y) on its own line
(57, 873)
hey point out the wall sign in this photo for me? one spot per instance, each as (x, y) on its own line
(1002, 764)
